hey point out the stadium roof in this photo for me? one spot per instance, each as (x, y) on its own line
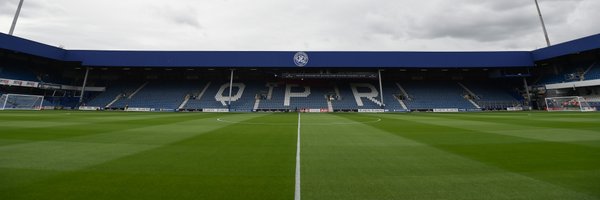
(103, 58)
(571, 47)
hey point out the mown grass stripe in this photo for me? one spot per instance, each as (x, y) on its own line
(564, 121)
(78, 152)
(362, 161)
(237, 161)
(92, 126)
(518, 155)
(536, 132)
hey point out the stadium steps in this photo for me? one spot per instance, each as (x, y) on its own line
(474, 104)
(114, 100)
(256, 104)
(402, 104)
(468, 91)
(185, 100)
(193, 93)
(403, 93)
(337, 91)
(137, 90)
(593, 72)
(402, 90)
(199, 96)
(271, 88)
(329, 106)
(472, 94)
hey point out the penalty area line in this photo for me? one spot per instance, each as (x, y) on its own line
(375, 120)
(297, 190)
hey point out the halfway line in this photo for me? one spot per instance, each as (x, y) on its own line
(297, 191)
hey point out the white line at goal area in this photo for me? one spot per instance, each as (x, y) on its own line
(321, 121)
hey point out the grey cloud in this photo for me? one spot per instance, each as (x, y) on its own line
(479, 28)
(378, 23)
(505, 5)
(8, 8)
(180, 15)
(302, 24)
(486, 21)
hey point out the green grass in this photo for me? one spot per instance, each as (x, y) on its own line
(118, 155)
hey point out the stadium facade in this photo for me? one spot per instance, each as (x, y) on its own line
(295, 80)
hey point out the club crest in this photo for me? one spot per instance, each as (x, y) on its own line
(301, 59)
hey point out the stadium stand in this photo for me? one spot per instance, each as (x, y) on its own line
(571, 72)
(594, 101)
(293, 96)
(593, 72)
(271, 81)
(248, 98)
(357, 95)
(317, 99)
(492, 96)
(113, 93)
(216, 96)
(264, 96)
(47, 102)
(205, 98)
(275, 97)
(394, 97)
(436, 95)
(158, 95)
(366, 94)
(344, 99)
(16, 72)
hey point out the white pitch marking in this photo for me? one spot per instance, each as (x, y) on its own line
(375, 120)
(297, 191)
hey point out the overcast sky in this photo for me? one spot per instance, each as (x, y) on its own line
(308, 25)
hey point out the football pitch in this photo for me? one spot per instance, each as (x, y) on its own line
(124, 155)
